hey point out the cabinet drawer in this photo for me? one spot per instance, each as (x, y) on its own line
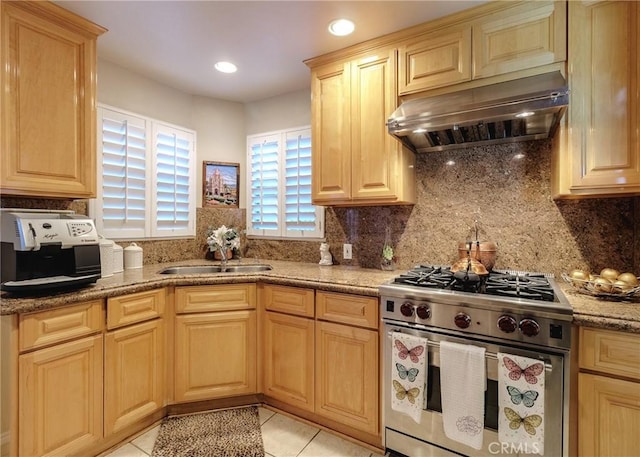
(290, 300)
(611, 352)
(129, 309)
(48, 327)
(348, 309)
(227, 297)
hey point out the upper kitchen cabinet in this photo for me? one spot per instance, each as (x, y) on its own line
(499, 40)
(598, 153)
(524, 36)
(48, 121)
(355, 161)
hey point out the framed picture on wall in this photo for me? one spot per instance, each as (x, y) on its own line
(220, 185)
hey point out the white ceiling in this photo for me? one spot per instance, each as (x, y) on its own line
(177, 42)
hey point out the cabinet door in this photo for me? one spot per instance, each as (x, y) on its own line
(347, 375)
(48, 111)
(288, 359)
(134, 374)
(215, 355)
(518, 38)
(604, 143)
(609, 416)
(60, 398)
(434, 60)
(331, 139)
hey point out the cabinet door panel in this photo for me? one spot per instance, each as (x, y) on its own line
(215, 355)
(223, 297)
(60, 398)
(434, 60)
(331, 122)
(134, 374)
(605, 101)
(519, 38)
(347, 375)
(373, 100)
(609, 417)
(49, 138)
(288, 359)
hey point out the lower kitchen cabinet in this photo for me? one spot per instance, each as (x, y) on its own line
(609, 393)
(215, 349)
(347, 375)
(60, 398)
(134, 374)
(288, 359)
(134, 361)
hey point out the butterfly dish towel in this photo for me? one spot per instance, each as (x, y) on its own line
(521, 402)
(463, 380)
(408, 374)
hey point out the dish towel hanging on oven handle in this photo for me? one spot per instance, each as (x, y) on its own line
(521, 402)
(408, 374)
(463, 381)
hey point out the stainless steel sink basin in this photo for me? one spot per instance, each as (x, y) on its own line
(204, 269)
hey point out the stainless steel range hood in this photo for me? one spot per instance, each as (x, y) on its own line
(525, 109)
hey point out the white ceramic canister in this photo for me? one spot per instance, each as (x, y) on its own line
(118, 258)
(106, 257)
(132, 257)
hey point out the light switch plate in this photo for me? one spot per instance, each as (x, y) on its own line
(347, 254)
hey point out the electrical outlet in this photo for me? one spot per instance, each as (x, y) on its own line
(346, 252)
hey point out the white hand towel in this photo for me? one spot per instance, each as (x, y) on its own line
(408, 374)
(521, 402)
(462, 383)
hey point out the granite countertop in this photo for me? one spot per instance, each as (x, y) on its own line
(587, 310)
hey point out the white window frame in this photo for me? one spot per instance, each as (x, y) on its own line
(150, 228)
(279, 136)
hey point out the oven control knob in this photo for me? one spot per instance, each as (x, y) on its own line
(462, 320)
(507, 324)
(529, 327)
(407, 309)
(423, 312)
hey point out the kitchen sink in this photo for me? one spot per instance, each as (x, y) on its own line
(204, 269)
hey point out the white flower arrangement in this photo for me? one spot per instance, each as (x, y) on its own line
(223, 239)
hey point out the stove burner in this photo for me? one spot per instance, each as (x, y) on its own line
(523, 285)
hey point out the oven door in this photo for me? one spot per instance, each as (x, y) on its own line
(402, 434)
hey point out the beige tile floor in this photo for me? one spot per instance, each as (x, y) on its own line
(282, 437)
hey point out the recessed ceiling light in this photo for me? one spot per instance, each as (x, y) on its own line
(341, 27)
(226, 67)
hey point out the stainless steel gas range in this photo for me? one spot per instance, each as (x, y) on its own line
(519, 313)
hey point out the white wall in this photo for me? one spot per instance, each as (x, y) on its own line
(219, 124)
(278, 113)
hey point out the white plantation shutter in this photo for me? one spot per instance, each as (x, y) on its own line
(122, 188)
(300, 213)
(146, 177)
(279, 186)
(174, 190)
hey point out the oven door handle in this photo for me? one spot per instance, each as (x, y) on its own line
(492, 356)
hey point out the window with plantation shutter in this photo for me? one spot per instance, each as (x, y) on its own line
(146, 177)
(279, 186)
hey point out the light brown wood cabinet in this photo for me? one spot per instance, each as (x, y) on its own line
(48, 117)
(288, 347)
(608, 393)
(355, 161)
(215, 341)
(60, 379)
(597, 153)
(347, 360)
(134, 383)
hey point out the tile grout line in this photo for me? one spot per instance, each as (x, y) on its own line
(309, 442)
